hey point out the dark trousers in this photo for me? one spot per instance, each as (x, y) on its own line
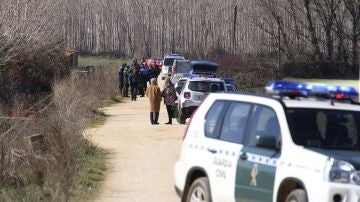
(121, 86)
(154, 117)
(141, 90)
(126, 89)
(169, 109)
(134, 90)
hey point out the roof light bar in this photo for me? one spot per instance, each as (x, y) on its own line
(287, 88)
(299, 89)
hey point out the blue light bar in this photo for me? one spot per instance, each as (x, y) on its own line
(299, 89)
(287, 88)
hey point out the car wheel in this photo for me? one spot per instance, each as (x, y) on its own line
(182, 118)
(297, 195)
(199, 191)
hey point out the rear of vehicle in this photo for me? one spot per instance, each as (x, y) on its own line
(194, 92)
(204, 69)
(181, 67)
(166, 68)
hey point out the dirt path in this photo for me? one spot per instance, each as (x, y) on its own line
(142, 155)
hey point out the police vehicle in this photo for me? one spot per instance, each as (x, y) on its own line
(302, 143)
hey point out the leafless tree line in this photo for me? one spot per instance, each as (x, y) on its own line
(154, 27)
(328, 30)
(321, 30)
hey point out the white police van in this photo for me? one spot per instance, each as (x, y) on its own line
(301, 145)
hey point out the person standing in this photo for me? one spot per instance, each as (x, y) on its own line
(169, 94)
(134, 79)
(144, 77)
(154, 94)
(126, 82)
(153, 72)
(121, 78)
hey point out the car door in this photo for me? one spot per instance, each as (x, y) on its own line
(256, 166)
(225, 150)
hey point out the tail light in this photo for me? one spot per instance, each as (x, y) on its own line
(339, 96)
(192, 115)
(187, 95)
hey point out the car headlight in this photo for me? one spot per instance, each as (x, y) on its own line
(341, 172)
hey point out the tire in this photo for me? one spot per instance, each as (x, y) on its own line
(199, 191)
(182, 118)
(297, 195)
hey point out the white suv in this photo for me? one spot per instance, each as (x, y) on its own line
(242, 147)
(193, 92)
(168, 61)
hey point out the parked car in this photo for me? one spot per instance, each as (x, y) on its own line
(204, 68)
(230, 88)
(194, 92)
(179, 83)
(168, 61)
(181, 67)
(292, 146)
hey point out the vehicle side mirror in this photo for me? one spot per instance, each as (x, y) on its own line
(268, 142)
(178, 89)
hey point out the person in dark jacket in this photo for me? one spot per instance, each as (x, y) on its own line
(153, 72)
(169, 94)
(126, 82)
(134, 79)
(121, 77)
(144, 77)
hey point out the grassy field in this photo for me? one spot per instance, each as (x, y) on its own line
(101, 61)
(354, 83)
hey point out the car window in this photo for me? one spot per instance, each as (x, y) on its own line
(206, 86)
(169, 61)
(264, 122)
(235, 119)
(327, 129)
(212, 119)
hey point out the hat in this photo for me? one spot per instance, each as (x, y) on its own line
(153, 81)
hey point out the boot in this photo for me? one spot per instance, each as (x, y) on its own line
(156, 118)
(152, 118)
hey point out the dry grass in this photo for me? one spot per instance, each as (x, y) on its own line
(52, 168)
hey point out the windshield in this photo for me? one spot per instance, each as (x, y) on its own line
(327, 129)
(170, 61)
(206, 86)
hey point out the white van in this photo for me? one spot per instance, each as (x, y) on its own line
(181, 67)
(166, 68)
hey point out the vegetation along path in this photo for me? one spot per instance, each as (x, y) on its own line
(142, 156)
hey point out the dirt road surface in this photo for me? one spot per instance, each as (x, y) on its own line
(142, 156)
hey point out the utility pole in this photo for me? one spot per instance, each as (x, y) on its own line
(279, 21)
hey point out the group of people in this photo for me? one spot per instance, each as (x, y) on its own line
(137, 76)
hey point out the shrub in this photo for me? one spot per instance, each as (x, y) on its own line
(53, 166)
